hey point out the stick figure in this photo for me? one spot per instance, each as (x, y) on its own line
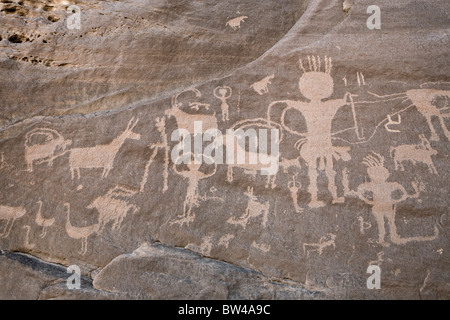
(316, 148)
(223, 94)
(194, 175)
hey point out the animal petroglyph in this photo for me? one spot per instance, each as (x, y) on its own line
(112, 208)
(414, 153)
(294, 186)
(423, 100)
(265, 163)
(186, 120)
(101, 156)
(378, 193)
(161, 127)
(46, 150)
(324, 242)
(79, 233)
(255, 208)
(262, 86)
(236, 22)
(316, 146)
(223, 94)
(43, 222)
(10, 214)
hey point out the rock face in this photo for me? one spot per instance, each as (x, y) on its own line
(353, 179)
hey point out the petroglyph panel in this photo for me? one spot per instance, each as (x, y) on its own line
(258, 135)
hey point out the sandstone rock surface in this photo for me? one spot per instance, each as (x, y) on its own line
(87, 176)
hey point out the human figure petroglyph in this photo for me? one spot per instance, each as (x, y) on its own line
(10, 214)
(164, 145)
(294, 186)
(223, 94)
(324, 242)
(262, 86)
(316, 146)
(254, 209)
(101, 156)
(45, 223)
(414, 153)
(379, 193)
(79, 233)
(194, 176)
(113, 208)
(423, 100)
(47, 151)
(235, 23)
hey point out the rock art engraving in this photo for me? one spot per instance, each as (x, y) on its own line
(294, 186)
(10, 214)
(262, 86)
(45, 223)
(161, 127)
(235, 23)
(223, 94)
(391, 122)
(324, 242)
(423, 100)
(265, 161)
(194, 176)
(316, 146)
(414, 153)
(45, 149)
(254, 209)
(113, 208)
(225, 240)
(186, 120)
(101, 156)
(79, 233)
(378, 193)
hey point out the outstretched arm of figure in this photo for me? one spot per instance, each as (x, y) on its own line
(289, 103)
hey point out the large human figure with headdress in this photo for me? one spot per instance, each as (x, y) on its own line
(316, 147)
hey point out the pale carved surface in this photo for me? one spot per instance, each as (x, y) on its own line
(359, 175)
